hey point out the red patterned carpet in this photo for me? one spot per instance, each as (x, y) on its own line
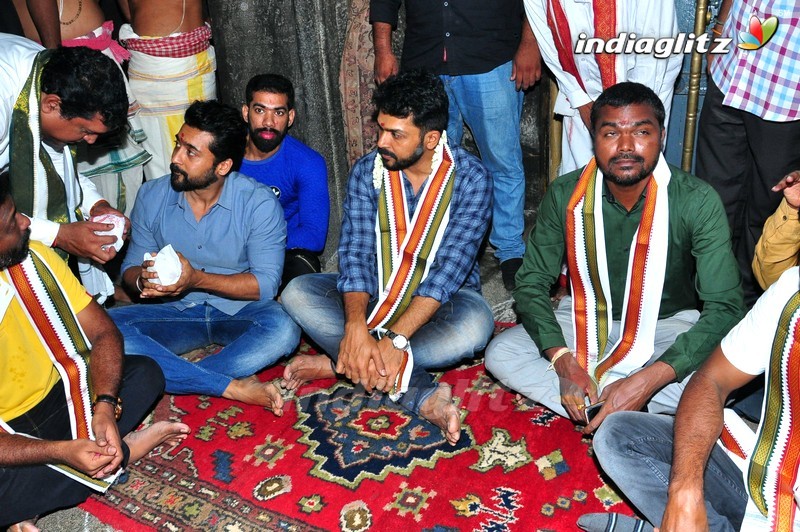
(340, 460)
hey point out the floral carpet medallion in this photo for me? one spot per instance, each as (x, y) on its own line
(352, 436)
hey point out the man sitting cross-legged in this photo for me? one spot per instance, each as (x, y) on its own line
(646, 245)
(64, 382)
(407, 296)
(229, 233)
(671, 470)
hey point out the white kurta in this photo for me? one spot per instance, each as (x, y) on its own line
(645, 18)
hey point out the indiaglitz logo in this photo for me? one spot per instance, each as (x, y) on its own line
(760, 33)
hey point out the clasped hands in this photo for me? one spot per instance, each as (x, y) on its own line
(102, 456)
(367, 361)
(188, 280)
(576, 385)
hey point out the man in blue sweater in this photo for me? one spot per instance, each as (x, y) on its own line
(295, 173)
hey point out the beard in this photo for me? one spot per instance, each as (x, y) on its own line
(181, 182)
(18, 254)
(400, 164)
(631, 180)
(266, 145)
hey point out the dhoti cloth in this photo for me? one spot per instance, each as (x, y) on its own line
(166, 75)
(115, 164)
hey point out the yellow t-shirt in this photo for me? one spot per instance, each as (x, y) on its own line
(26, 372)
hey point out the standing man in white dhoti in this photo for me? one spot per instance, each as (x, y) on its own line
(172, 65)
(559, 24)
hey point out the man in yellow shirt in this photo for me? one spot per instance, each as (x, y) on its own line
(49, 329)
(779, 246)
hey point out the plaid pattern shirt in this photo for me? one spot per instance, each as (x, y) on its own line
(764, 82)
(455, 265)
(180, 45)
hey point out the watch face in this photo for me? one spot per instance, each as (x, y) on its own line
(400, 342)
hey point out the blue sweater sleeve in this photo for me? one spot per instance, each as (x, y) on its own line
(314, 206)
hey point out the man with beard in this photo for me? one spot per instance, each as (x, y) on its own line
(407, 298)
(229, 235)
(69, 400)
(295, 173)
(647, 247)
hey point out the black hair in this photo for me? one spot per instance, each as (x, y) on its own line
(226, 126)
(272, 83)
(625, 94)
(88, 83)
(414, 93)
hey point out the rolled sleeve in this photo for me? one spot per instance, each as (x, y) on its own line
(777, 249)
(357, 248)
(142, 239)
(266, 244)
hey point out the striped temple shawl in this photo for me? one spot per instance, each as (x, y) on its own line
(588, 272)
(770, 458)
(45, 304)
(407, 246)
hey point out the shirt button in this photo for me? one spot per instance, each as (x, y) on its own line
(785, 218)
(447, 34)
(199, 246)
(446, 4)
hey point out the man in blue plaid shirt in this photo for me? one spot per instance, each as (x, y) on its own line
(408, 300)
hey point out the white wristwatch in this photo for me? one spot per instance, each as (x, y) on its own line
(398, 340)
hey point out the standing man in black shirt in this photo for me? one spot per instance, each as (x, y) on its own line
(486, 55)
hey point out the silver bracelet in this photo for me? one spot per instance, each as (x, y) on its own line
(139, 286)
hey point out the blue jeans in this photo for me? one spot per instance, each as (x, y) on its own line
(492, 107)
(458, 329)
(254, 338)
(635, 450)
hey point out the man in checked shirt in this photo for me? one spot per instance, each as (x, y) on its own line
(407, 298)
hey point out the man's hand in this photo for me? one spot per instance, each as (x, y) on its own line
(526, 68)
(86, 456)
(585, 111)
(790, 185)
(392, 358)
(187, 280)
(103, 207)
(576, 385)
(79, 239)
(385, 66)
(632, 392)
(106, 433)
(357, 349)
(684, 511)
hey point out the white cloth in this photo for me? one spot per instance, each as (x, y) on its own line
(16, 60)
(646, 18)
(748, 346)
(164, 88)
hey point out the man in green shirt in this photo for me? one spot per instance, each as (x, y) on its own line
(646, 246)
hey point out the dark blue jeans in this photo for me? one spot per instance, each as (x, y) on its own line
(635, 450)
(459, 328)
(254, 338)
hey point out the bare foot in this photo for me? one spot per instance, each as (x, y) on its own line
(440, 410)
(143, 441)
(24, 526)
(252, 391)
(304, 368)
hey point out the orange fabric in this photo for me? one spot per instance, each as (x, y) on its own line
(605, 27)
